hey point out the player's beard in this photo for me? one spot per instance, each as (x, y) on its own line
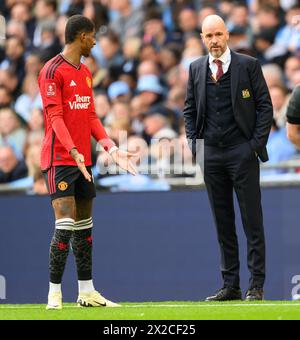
(87, 52)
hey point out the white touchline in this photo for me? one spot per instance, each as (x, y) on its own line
(174, 306)
(217, 305)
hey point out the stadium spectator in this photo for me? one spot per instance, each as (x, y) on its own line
(131, 49)
(175, 100)
(97, 12)
(137, 108)
(154, 30)
(130, 21)
(194, 41)
(157, 126)
(267, 18)
(279, 97)
(49, 44)
(5, 97)
(29, 99)
(148, 67)
(111, 52)
(119, 130)
(11, 169)
(33, 159)
(295, 79)
(17, 29)
(188, 22)
(279, 147)
(273, 75)
(20, 12)
(291, 66)
(119, 91)
(33, 64)
(14, 60)
(263, 46)
(36, 120)
(11, 131)
(60, 28)
(34, 137)
(150, 91)
(170, 56)
(293, 117)
(121, 110)
(238, 18)
(102, 105)
(9, 79)
(45, 13)
(288, 37)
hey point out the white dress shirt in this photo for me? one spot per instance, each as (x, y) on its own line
(226, 60)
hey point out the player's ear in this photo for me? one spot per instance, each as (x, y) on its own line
(82, 36)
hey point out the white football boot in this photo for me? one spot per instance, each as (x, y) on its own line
(54, 301)
(94, 299)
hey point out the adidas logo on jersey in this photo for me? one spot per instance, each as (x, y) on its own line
(72, 83)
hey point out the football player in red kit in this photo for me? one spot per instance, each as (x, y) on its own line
(70, 121)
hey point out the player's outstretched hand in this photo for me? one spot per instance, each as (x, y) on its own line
(79, 159)
(123, 159)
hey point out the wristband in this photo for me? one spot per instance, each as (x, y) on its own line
(112, 149)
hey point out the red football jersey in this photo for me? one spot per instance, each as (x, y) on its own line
(69, 113)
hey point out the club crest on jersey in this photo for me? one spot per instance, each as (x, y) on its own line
(62, 186)
(50, 89)
(89, 82)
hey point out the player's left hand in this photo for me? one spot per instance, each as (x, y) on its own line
(79, 159)
(123, 159)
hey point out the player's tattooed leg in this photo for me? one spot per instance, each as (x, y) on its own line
(81, 240)
(64, 209)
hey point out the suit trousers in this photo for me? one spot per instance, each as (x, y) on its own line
(229, 169)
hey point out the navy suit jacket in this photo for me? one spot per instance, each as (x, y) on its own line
(251, 102)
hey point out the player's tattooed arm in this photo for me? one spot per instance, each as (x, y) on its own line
(79, 159)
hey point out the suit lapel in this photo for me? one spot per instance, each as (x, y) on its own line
(202, 91)
(202, 84)
(235, 71)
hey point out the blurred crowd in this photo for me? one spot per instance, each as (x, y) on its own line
(140, 69)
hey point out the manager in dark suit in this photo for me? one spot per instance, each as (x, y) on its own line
(229, 107)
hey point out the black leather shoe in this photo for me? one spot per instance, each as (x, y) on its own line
(254, 294)
(226, 294)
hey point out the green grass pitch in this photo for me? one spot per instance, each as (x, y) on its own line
(238, 310)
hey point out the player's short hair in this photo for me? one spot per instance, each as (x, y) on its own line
(77, 24)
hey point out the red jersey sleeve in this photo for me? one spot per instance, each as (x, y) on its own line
(51, 91)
